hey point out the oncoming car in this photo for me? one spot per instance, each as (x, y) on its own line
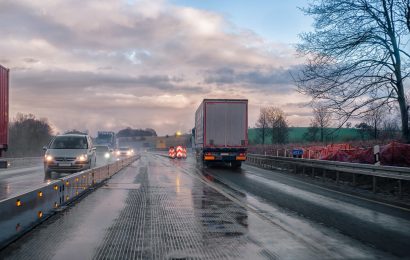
(124, 152)
(69, 153)
(104, 153)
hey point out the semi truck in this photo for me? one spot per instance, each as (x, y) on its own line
(4, 112)
(221, 131)
(106, 138)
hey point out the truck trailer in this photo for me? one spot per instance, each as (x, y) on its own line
(4, 112)
(106, 138)
(221, 131)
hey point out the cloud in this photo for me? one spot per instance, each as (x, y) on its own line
(145, 63)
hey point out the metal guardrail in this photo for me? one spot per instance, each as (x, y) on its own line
(14, 163)
(21, 212)
(288, 163)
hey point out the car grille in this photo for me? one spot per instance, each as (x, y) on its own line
(64, 159)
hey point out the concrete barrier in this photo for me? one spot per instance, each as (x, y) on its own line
(22, 212)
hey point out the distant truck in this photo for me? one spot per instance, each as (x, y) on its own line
(221, 131)
(4, 112)
(106, 138)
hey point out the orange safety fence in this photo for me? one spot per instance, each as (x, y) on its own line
(394, 153)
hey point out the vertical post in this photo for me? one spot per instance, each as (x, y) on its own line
(374, 184)
(277, 152)
(309, 153)
(399, 184)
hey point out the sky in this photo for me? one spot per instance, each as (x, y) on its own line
(106, 65)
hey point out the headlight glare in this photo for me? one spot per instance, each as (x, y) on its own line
(82, 158)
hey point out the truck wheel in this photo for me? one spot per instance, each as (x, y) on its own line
(236, 165)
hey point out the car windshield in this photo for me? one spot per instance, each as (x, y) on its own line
(124, 149)
(101, 148)
(69, 142)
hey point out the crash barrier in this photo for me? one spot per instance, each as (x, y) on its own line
(322, 167)
(22, 162)
(20, 213)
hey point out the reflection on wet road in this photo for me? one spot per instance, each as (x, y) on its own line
(160, 208)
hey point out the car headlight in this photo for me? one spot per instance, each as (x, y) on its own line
(107, 155)
(128, 152)
(48, 158)
(118, 152)
(82, 158)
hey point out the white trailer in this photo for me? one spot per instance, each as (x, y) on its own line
(221, 131)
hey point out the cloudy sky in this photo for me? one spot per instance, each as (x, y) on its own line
(106, 65)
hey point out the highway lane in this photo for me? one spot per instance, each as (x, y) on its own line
(161, 208)
(16, 180)
(383, 226)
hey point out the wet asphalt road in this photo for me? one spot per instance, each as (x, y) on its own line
(160, 208)
(17, 180)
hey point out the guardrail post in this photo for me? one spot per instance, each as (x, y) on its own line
(374, 184)
(399, 184)
(337, 177)
(354, 180)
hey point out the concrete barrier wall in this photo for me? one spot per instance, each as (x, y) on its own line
(22, 212)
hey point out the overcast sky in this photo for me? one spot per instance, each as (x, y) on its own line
(106, 65)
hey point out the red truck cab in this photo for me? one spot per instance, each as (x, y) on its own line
(4, 111)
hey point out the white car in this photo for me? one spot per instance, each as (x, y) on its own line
(124, 152)
(69, 153)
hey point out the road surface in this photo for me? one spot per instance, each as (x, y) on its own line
(159, 208)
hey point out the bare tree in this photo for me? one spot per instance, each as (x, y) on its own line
(262, 124)
(358, 55)
(364, 130)
(407, 11)
(390, 129)
(375, 117)
(28, 135)
(278, 125)
(312, 131)
(322, 118)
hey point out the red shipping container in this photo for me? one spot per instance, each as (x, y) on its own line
(4, 107)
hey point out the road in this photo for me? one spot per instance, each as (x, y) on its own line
(17, 180)
(159, 208)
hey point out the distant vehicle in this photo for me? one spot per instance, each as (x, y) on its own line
(4, 112)
(221, 131)
(104, 153)
(69, 153)
(124, 152)
(106, 138)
